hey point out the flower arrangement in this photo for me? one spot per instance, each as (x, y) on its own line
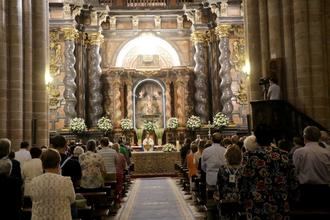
(126, 124)
(220, 120)
(194, 122)
(104, 124)
(169, 148)
(172, 123)
(77, 125)
(149, 126)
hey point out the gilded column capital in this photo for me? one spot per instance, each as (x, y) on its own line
(95, 38)
(199, 37)
(223, 30)
(70, 33)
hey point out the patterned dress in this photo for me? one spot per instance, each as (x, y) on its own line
(92, 166)
(266, 183)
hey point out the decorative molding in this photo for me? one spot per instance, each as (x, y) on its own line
(223, 30)
(199, 37)
(95, 38)
(70, 33)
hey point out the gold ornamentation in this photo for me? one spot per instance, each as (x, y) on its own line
(70, 33)
(223, 30)
(199, 37)
(95, 38)
(55, 53)
(241, 94)
(238, 54)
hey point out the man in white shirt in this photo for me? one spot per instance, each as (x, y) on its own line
(312, 161)
(213, 158)
(274, 91)
(23, 154)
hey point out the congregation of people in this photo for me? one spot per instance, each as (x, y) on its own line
(48, 179)
(257, 177)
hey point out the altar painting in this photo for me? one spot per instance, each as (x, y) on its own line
(149, 103)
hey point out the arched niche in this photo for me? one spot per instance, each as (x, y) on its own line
(147, 51)
(149, 103)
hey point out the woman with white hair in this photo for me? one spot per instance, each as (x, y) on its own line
(10, 187)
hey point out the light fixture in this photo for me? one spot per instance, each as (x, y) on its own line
(246, 68)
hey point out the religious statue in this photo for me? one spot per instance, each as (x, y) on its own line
(151, 106)
(148, 143)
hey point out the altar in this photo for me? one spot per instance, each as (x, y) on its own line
(155, 163)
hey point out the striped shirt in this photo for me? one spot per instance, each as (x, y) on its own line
(110, 159)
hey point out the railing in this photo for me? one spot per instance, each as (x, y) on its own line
(285, 120)
(146, 3)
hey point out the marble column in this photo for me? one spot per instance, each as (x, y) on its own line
(40, 66)
(168, 98)
(70, 87)
(116, 100)
(3, 70)
(264, 37)
(129, 106)
(201, 84)
(27, 82)
(224, 73)
(301, 35)
(251, 24)
(180, 101)
(80, 66)
(95, 109)
(15, 72)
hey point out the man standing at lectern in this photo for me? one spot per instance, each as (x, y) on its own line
(274, 90)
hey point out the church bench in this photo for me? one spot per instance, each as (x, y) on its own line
(97, 200)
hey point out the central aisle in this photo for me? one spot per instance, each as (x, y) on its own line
(155, 198)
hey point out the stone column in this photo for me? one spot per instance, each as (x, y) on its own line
(264, 37)
(80, 66)
(275, 28)
(95, 109)
(27, 82)
(70, 34)
(320, 91)
(224, 73)
(251, 24)
(15, 72)
(40, 67)
(301, 35)
(289, 51)
(3, 70)
(129, 106)
(201, 106)
(168, 98)
(116, 101)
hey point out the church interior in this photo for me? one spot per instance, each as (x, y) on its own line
(152, 74)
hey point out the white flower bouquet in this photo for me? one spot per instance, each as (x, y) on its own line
(149, 126)
(104, 124)
(220, 120)
(194, 122)
(172, 123)
(169, 148)
(126, 124)
(77, 125)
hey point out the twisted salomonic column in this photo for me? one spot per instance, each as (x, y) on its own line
(129, 99)
(95, 109)
(70, 87)
(201, 107)
(116, 100)
(168, 98)
(224, 60)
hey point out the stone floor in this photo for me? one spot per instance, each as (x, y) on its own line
(157, 198)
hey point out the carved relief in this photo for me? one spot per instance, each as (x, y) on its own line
(113, 23)
(179, 20)
(135, 22)
(158, 22)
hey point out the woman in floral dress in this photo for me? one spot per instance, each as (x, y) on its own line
(267, 179)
